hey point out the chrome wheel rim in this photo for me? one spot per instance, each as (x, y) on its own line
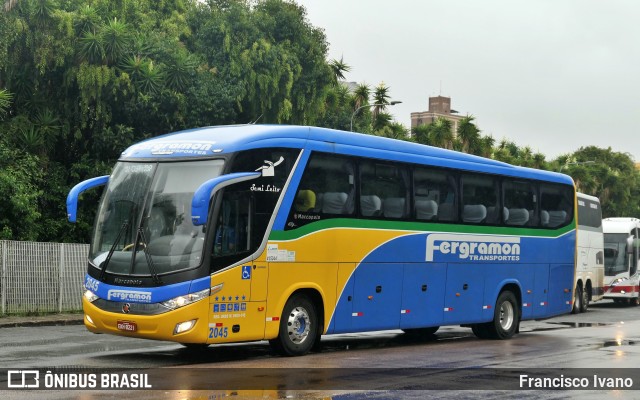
(506, 315)
(298, 325)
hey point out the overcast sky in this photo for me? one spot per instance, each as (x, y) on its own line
(551, 74)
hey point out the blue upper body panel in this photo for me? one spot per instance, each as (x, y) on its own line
(211, 141)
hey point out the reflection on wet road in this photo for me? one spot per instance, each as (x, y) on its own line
(604, 337)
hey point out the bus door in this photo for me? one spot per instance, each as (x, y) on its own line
(464, 293)
(376, 296)
(422, 295)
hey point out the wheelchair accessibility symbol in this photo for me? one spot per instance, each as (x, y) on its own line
(246, 272)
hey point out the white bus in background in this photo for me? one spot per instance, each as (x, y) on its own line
(621, 259)
(589, 279)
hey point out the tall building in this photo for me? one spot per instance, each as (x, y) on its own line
(439, 106)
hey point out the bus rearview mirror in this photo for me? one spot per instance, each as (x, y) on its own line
(76, 191)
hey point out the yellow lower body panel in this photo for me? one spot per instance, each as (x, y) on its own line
(157, 327)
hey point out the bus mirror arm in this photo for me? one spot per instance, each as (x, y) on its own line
(76, 191)
(202, 195)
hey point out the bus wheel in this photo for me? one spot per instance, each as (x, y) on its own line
(421, 332)
(577, 300)
(298, 327)
(584, 305)
(480, 330)
(634, 301)
(506, 317)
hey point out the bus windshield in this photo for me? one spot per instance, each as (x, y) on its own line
(144, 225)
(615, 254)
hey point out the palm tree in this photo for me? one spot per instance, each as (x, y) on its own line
(338, 68)
(380, 98)
(487, 144)
(361, 95)
(441, 133)
(116, 39)
(5, 101)
(91, 47)
(422, 134)
(468, 134)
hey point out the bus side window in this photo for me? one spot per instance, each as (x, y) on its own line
(556, 205)
(480, 200)
(326, 190)
(520, 206)
(384, 190)
(434, 195)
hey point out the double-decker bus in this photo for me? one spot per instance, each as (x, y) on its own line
(621, 254)
(285, 233)
(589, 283)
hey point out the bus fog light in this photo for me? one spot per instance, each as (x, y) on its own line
(89, 320)
(184, 326)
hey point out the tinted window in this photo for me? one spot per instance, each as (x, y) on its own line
(435, 195)
(520, 203)
(480, 200)
(589, 213)
(327, 190)
(384, 190)
(556, 205)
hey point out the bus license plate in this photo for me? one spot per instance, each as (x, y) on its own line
(127, 326)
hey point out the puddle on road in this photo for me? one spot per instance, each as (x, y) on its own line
(579, 324)
(623, 342)
(563, 325)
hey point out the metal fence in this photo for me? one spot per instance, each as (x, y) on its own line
(41, 277)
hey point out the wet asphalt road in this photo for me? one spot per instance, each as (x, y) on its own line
(606, 337)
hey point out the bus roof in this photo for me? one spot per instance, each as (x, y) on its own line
(619, 225)
(207, 142)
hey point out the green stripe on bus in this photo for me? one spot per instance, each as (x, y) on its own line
(415, 226)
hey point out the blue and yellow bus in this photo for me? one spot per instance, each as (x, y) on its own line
(285, 233)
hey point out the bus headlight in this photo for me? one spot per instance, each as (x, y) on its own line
(90, 296)
(618, 281)
(182, 301)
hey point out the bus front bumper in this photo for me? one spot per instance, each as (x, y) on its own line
(186, 324)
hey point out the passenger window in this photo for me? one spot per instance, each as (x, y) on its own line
(480, 200)
(326, 190)
(556, 205)
(435, 195)
(384, 190)
(520, 203)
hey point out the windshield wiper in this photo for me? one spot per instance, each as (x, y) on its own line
(103, 267)
(152, 268)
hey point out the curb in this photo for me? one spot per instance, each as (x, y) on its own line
(24, 322)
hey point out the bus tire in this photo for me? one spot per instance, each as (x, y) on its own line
(298, 327)
(506, 317)
(577, 300)
(421, 332)
(480, 330)
(584, 305)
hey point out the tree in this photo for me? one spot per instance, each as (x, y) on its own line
(338, 68)
(380, 99)
(469, 135)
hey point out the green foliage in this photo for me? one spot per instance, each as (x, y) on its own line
(80, 81)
